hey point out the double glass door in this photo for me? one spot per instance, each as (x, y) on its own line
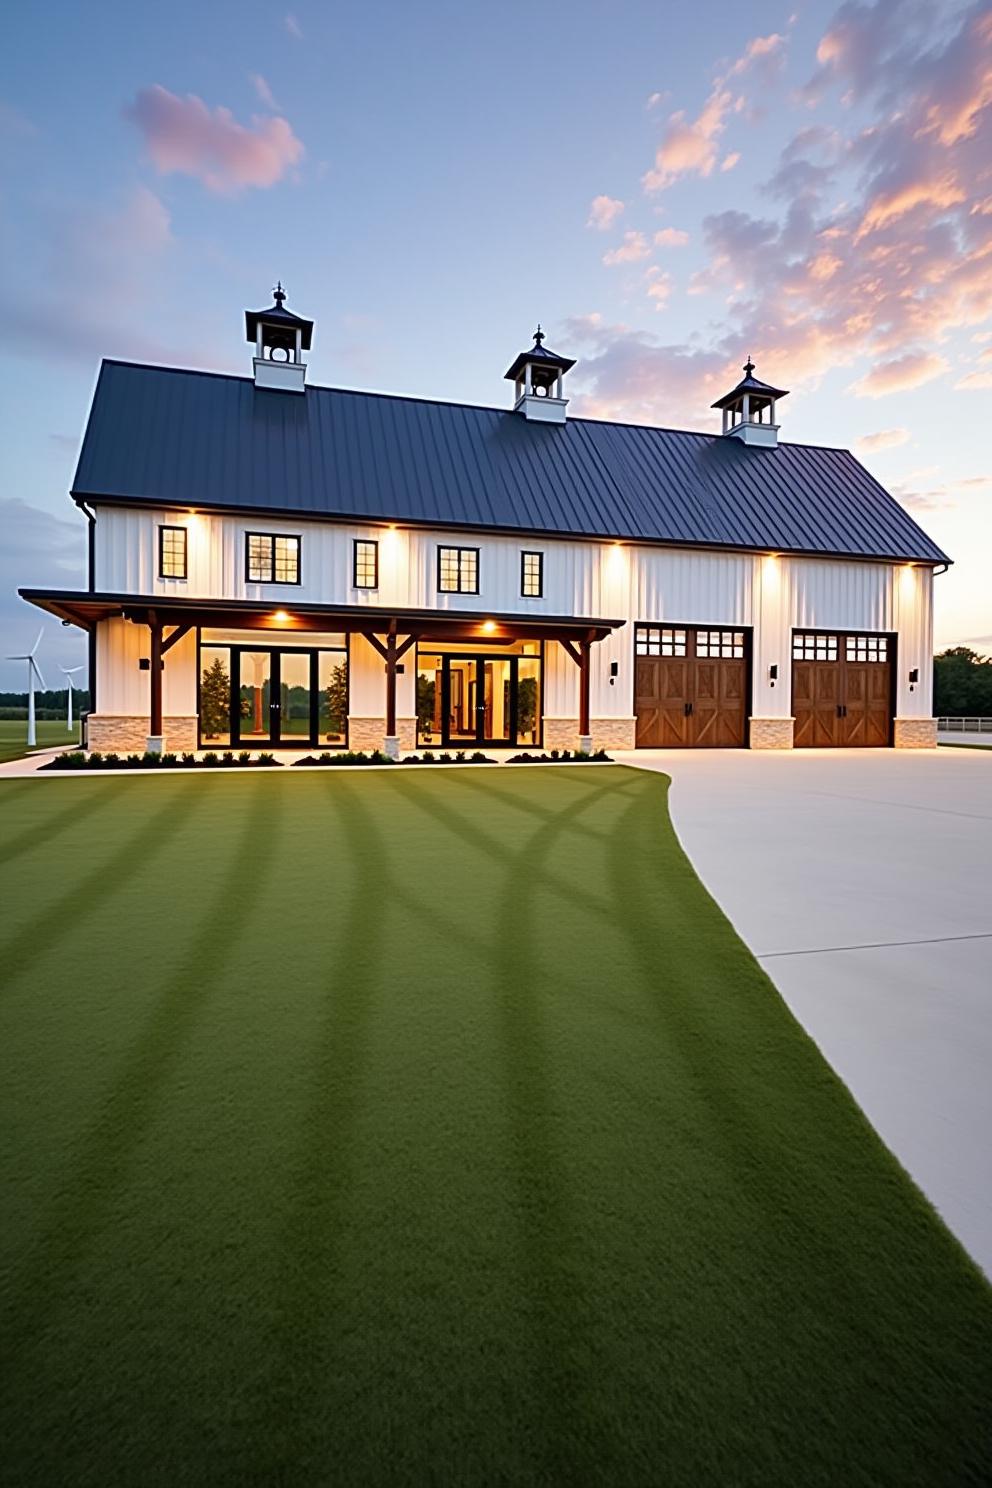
(489, 700)
(287, 698)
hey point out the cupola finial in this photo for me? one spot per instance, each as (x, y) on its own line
(748, 366)
(538, 335)
(279, 294)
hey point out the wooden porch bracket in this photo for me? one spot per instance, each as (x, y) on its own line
(176, 635)
(391, 653)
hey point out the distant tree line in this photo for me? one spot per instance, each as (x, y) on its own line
(962, 683)
(48, 704)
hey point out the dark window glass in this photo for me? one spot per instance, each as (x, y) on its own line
(270, 559)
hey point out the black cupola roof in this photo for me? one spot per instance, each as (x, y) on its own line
(278, 317)
(749, 384)
(539, 356)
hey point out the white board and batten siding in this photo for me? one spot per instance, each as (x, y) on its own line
(770, 594)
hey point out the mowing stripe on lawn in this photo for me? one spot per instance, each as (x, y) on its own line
(432, 1128)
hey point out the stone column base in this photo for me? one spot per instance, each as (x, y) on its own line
(561, 733)
(154, 744)
(391, 746)
(613, 733)
(365, 734)
(120, 734)
(771, 733)
(915, 733)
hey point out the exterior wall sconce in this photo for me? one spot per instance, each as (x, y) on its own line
(773, 673)
(614, 672)
(914, 677)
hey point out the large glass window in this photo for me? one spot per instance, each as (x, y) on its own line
(215, 696)
(172, 552)
(271, 558)
(529, 700)
(458, 570)
(428, 698)
(333, 698)
(366, 564)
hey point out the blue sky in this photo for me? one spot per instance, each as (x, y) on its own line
(665, 188)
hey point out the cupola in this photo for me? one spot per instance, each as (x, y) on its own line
(279, 338)
(537, 380)
(749, 410)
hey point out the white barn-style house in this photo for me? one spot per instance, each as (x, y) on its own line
(273, 564)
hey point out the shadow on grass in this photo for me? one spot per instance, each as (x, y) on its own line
(102, 1156)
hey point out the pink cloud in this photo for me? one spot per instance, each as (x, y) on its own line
(633, 248)
(603, 212)
(659, 287)
(692, 146)
(870, 444)
(671, 237)
(974, 382)
(900, 375)
(184, 136)
(729, 161)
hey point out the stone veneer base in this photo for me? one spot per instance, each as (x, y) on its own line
(613, 733)
(365, 734)
(561, 733)
(127, 734)
(771, 733)
(915, 733)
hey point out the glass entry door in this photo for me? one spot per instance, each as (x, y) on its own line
(479, 700)
(274, 693)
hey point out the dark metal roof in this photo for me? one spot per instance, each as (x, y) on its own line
(199, 439)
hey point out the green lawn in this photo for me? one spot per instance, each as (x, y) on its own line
(14, 735)
(435, 1128)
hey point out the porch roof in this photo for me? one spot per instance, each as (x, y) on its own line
(83, 608)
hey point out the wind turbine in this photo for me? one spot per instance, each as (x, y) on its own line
(68, 673)
(33, 671)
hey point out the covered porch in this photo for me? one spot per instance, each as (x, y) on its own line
(356, 676)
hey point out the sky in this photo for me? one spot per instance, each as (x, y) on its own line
(667, 189)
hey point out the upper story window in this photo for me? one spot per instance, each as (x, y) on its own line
(172, 552)
(271, 559)
(532, 575)
(458, 570)
(366, 575)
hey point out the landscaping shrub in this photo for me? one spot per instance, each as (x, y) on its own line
(77, 760)
(562, 757)
(427, 758)
(347, 757)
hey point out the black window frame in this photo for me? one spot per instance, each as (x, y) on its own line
(163, 528)
(271, 538)
(372, 542)
(537, 553)
(443, 548)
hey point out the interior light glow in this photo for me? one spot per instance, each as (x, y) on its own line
(281, 616)
(489, 626)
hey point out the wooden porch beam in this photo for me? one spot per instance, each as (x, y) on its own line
(585, 648)
(570, 650)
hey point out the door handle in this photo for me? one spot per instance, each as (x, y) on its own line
(688, 710)
(840, 711)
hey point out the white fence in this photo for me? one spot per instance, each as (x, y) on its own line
(964, 725)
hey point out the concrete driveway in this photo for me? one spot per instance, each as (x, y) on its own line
(862, 881)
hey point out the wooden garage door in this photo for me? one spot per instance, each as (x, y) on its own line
(690, 687)
(841, 690)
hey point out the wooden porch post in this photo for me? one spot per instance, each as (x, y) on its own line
(155, 711)
(391, 681)
(584, 671)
